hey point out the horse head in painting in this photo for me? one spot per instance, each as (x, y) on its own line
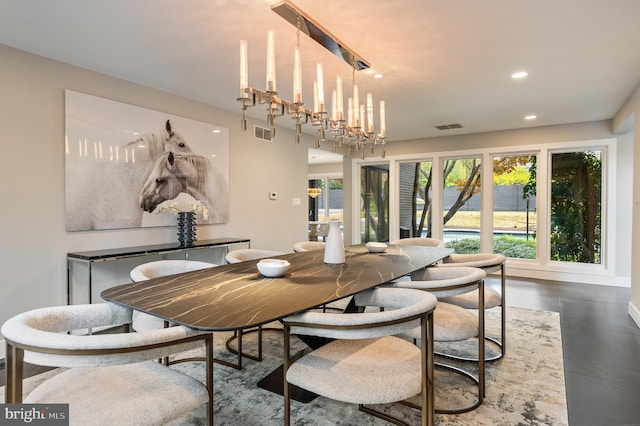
(107, 195)
(175, 173)
(155, 144)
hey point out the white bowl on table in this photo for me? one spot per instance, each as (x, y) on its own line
(376, 247)
(273, 268)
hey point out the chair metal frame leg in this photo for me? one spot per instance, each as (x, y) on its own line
(209, 377)
(14, 374)
(237, 366)
(237, 335)
(480, 379)
(501, 344)
(286, 387)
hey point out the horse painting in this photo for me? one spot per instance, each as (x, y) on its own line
(102, 187)
(175, 173)
(156, 144)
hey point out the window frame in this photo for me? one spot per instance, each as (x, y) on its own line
(541, 267)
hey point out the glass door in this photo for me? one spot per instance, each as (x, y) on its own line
(374, 209)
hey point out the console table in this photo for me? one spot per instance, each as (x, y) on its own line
(89, 258)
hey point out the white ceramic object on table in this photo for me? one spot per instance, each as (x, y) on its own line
(334, 249)
(376, 247)
(273, 268)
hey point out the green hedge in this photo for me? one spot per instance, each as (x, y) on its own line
(507, 245)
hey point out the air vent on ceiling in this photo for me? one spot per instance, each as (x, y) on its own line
(449, 126)
(262, 133)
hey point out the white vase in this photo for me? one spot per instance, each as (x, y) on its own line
(334, 249)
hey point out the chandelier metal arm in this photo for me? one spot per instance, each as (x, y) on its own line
(341, 132)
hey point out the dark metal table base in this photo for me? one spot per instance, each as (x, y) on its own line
(274, 383)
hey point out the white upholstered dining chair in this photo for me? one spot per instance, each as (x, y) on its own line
(163, 268)
(366, 363)
(308, 245)
(420, 241)
(242, 255)
(453, 323)
(490, 263)
(108, 378)
(156, 269)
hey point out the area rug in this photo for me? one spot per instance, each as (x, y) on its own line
(526, 387)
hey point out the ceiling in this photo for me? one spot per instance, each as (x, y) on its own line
(444, 61)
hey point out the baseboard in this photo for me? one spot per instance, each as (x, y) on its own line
(573, 276)
(634, 313)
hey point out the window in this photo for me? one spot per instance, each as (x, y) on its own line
(514, 206)
(328, 204)
(461, 205)
(575, 206)
(335, 199)
(415, 199)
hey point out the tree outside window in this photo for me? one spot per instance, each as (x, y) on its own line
(576, 206)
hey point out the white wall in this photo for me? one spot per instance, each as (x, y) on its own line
(34, 242)
(627, 121)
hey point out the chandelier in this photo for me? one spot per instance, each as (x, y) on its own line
(355, 132)
(314, 192)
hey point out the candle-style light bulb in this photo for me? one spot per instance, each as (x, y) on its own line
(362, 114)
(297, 77)
(320, 80)
(339, 99)
(383, 121)
(271, 62)
(350, 112)
(315, 96)
(244, 69)
(334, 106)
(369, 113)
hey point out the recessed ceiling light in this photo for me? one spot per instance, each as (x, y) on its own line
(378, 75)
(519, 75)
(216, 131)
(530, 117)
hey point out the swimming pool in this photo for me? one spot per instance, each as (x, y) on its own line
(461, 234)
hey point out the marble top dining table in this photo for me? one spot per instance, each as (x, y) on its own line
(237, 296)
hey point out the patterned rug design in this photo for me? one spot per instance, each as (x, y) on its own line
(526, 387)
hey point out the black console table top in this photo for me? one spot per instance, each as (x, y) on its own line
(96, 255)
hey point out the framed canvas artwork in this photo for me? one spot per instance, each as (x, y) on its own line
(124, 165)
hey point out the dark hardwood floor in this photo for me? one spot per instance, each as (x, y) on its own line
(601, 347)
